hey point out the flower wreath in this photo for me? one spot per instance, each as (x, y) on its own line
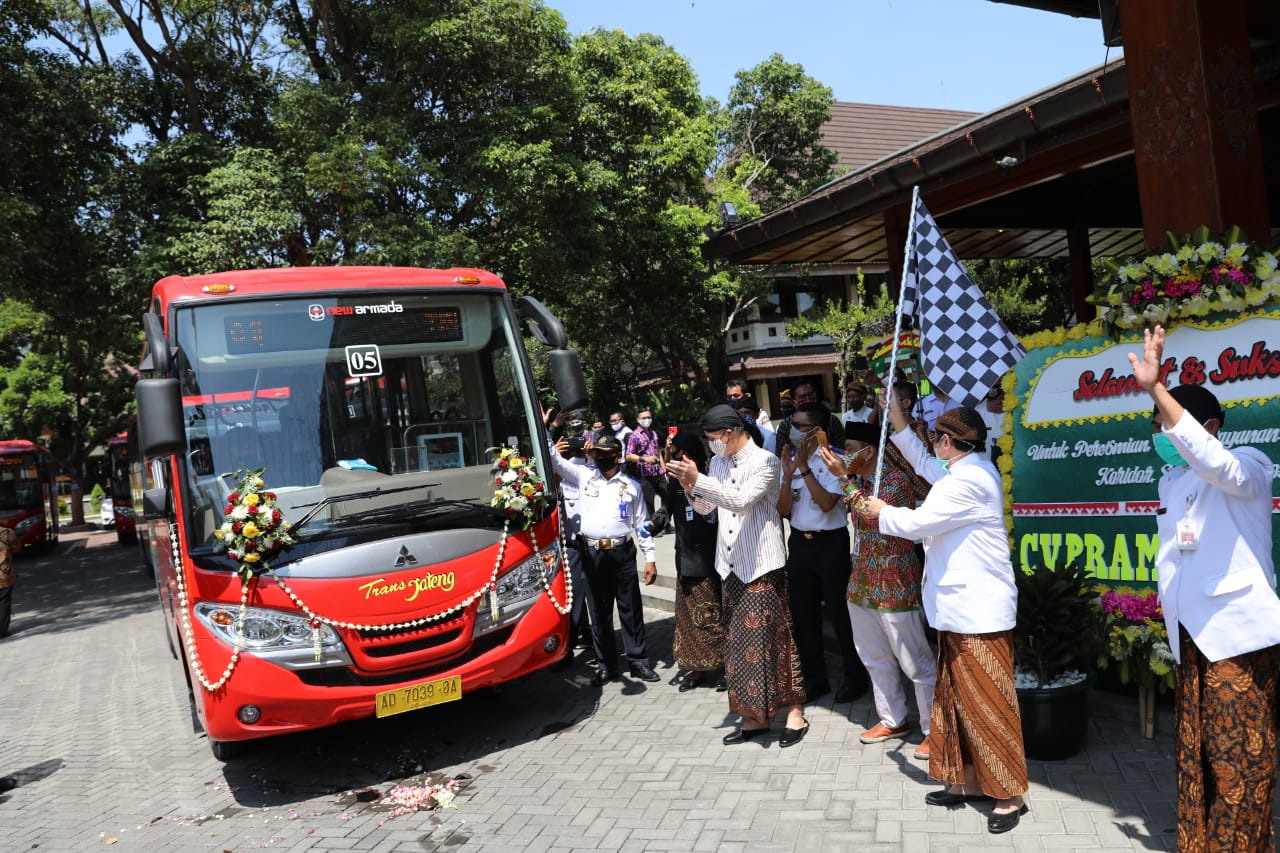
(519, 491)
(254, 530)
(1198, 276)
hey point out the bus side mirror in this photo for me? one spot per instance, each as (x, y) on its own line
(155, 504)
(566, 374)
(161, 431)
(546, 327)
(158, 356)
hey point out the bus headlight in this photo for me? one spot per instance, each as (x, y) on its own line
(518, 589)
(266, 631)
(26, 524)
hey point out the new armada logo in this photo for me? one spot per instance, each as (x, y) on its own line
(405, 558)
(318, 312)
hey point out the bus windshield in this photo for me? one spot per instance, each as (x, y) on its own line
(372, 414)
(19, 482)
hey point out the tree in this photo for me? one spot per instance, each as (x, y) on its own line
(847, 324)
(67, 336)
(1029, 294)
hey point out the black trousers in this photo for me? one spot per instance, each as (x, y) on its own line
(612, 576)
(651, 487)
(6, 609)
(817, 581)
(581, 592)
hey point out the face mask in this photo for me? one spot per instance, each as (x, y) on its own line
(749, 418)
(617, 427)
(788, 409)
(718, 447)
(606, 463)
(853, 461)
(732, 402)
(797, 435)
(646, 422)
(945, 463)
(1167, 450)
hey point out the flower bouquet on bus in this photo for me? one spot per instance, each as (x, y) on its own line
(520, 493)
(253, 530)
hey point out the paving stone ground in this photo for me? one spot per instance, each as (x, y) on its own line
(97, 734)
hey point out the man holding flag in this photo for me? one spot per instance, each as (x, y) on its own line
(969, 593)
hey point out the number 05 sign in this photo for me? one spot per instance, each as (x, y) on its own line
(364, 360)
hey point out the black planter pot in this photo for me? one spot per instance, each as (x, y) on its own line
(1054, 721)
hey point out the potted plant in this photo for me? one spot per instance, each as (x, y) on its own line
(1053, 643)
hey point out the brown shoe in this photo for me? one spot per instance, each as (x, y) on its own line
(880, 732)
(922, 751)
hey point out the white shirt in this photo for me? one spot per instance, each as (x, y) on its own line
(1223, 592)
(861, 416)
(968, 576)
(609, 509)
(806, 515)
(745, 487)
(932, 406)
(572, 497)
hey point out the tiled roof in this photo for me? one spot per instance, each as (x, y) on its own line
(864, 133)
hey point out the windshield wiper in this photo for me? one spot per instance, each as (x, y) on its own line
(328, 500)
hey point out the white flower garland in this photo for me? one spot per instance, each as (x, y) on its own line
(193, 656)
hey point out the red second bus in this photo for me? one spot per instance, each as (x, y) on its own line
(29, 493)
(124, 487)
(373, 398)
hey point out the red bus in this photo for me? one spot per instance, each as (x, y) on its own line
(29, 493)
(124, 487)
(373, 399)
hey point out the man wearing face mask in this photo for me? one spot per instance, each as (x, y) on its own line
(970, 598)
(762, 668)
(802, 393)
(613, 517)
(643, 453)
(817, 558)
(618, 426)
(1217, 589)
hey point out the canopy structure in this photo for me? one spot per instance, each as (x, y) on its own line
(1103, 163)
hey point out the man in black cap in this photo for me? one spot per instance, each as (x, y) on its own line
(1217, 590)
(611, 508)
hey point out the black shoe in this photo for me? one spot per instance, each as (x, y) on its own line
(848, 692)
(603, 677)
(691, 681)
(998, 823)
(817, 690)
(741, 735)
(948, 799)
(644, 672)
(721, 685)
(791, 737)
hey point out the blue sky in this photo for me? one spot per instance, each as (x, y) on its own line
(952, 54)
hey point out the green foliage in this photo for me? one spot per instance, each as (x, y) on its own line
(1029, 294)
(1058, 623)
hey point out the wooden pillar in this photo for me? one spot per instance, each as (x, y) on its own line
(1081, 271)
(1194, 117)
(895, 238)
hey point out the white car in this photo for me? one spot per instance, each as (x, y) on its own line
(107, 517)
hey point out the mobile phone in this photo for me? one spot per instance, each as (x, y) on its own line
(671, 431)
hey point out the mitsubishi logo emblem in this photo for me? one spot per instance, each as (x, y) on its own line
(405, 558)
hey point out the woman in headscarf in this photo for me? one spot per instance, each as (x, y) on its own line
(699, 638)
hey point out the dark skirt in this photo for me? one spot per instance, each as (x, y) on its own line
(699, 642)
(975, 719)
(1225, 749)
(761, 666)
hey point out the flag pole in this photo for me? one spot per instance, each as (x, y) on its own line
(897, 332)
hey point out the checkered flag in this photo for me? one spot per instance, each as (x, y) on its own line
(965, 348)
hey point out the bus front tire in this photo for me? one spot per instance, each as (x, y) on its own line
(225, 750)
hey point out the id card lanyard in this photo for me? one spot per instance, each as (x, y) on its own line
(1187, 536)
